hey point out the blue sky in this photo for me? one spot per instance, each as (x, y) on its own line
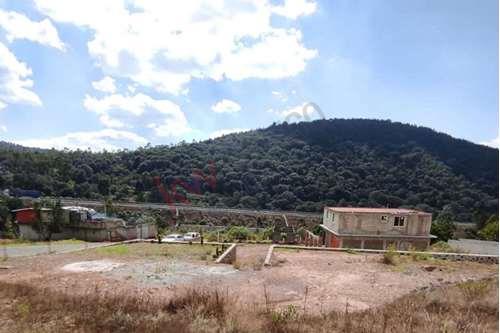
(120, 74)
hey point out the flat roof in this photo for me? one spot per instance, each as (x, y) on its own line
(370, 210)
(29, 208)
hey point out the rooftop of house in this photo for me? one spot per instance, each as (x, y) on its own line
(370, 210)
(29, 208)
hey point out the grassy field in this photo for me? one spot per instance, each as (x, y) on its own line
(151, 250)
(22, 242)
(464, 307)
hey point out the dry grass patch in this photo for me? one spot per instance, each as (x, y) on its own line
(465, 307)
(142, 250)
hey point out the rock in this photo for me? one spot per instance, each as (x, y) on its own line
(429, 268)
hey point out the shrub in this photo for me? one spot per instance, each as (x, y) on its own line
(490, 230)
(289, 313)
(445, 247)
(238, 233)
(418, 256)
(473, 290)
(443, 228)
(202, 302)
(391, 256)
(212, 236)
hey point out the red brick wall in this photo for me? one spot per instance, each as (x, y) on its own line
(334, 241)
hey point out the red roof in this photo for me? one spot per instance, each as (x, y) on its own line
(25, 215)
(369, 210)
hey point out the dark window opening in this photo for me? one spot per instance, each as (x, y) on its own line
(399, 221)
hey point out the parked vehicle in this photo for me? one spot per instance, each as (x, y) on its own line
(173, 238)
(192, 236)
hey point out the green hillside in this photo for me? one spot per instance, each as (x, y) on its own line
(300, 166)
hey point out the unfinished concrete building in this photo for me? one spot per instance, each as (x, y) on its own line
(376, 228)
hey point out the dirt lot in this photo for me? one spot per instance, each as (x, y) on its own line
(315, 280)
(39, 248)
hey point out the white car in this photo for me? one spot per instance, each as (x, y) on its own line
(173, 238)
(191, 236)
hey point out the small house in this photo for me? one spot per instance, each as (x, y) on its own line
(376, 228)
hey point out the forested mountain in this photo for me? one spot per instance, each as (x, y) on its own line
(300, 166)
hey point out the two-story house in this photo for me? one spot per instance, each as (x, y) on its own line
(376, 228)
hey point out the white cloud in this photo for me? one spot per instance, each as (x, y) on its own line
(106, 84)
(302, 112)
(3, 128)
(278, 54)
(279, 95)
(15, 85)
(292, 113)
(295, 8)
(164, 44)
(131, 88)
(495, 143)
(108, 121)
(18, 26)
(108, 139)
(226, 131)
(226, 106)
(123, 111)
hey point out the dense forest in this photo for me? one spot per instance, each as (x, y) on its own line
(301, 166)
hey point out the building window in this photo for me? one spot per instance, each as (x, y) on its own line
(384, 218)
(399, 221)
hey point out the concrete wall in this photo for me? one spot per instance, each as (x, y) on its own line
(375, 243)
(488, 259)
(28, 233)
(93, 233)
(229, 256)
(330, 220)
(373, 224)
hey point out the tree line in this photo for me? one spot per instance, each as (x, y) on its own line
(302, 166)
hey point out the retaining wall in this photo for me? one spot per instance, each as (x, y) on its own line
(483, 258)
(92, 233)
(228, 257)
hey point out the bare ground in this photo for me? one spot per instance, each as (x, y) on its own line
(313, 280)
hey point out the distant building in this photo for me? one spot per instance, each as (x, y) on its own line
(376, 228)
(29, 216)
(26, 218)
(80, 223)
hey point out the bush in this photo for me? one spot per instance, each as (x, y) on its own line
(443, 228)
(418, 256)
(391, 257)
(445, 247)
(490, 230)
(212, 236)
(473, 290)
(441, 247)
(289, 313)
(238, 233)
